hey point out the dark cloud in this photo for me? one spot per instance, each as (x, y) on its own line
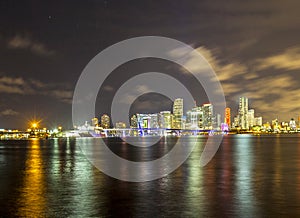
(8, 112)
(252, 45)
(21, 86)
(21, 42)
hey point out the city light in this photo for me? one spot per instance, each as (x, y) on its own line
(34, 125)
(199, 120)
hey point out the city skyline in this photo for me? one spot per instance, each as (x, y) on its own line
(199, 117)
(252, 46)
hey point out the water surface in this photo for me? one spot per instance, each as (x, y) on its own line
(250, 176)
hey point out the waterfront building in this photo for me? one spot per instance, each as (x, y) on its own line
(275, 125)
(194, 118)
(236, 121)
(154, 121)
(208, 119)
(95, 121)
(165, 119)
(147, 120)
(133, 121)
(105, 121)
(258, 121)
(243, 113)
(178, 113)
(292, 124)
(267, 126)
(218, 121)
(120, 125)
(251, 118)
(183, 123)
(227, 117)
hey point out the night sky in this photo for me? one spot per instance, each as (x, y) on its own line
(45, 45)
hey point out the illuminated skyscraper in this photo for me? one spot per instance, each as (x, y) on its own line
(147, 120)
(208, 119)
(105, 121)
(250, 117)
(227, 117)
(165, 119)
(243, 113)
(194, 118)
(178, 113)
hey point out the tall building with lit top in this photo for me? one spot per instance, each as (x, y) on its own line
(227, 116)
(194, 118)
(165, 119)
(105, 121)
(208, 118)
(147, 120)
(251, 118)
(243, 113)
(178, 113)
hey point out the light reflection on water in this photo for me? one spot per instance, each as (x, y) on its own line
(250, 176)
(244, 192)
(32, 191)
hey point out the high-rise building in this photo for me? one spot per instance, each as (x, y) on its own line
(208, 118)
(275, 125)
(133, 121)
(154, 120)
(194, 118)
(258, 121)
(147, 120)
(236, 121)
(105, 121)
(178, 113)
(218, 121)
(95, 121)
(227, 117)
(165, 119)
(250, 117)
(243, 113)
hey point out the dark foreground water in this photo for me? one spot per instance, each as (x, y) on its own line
(250, 176)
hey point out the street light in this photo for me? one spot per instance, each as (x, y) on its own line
(34, 125)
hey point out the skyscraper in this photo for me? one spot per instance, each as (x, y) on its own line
(178, 113)
(194, 118)
(243, 113)
(147, 120)
(251, 120)
(227, 117)
(105, 121)
(208, 118)
(165, 119)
